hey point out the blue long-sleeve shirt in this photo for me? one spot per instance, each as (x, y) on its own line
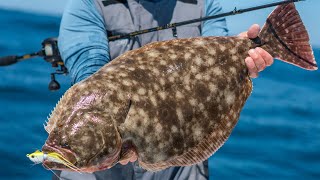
(83, 42)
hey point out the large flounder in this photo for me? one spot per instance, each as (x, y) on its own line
(172, 103)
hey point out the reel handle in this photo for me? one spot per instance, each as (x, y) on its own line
(53, 85)
(8, 60)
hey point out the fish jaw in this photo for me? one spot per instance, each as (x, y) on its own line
(65, 153)
(106, 164)
(100, 163)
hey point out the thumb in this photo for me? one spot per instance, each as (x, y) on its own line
(253, 31)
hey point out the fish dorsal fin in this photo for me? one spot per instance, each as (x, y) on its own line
(53, 117)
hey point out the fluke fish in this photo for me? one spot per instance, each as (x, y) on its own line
(170, 103)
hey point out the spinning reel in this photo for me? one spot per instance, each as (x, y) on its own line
(50, 54)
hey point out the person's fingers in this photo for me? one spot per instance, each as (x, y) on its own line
(133, 158)
(243, 34)
(253, 71)
(253, 31)
(124, 162)
(257, 59)
(268, 59)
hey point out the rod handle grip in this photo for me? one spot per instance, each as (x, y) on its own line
(8, 60)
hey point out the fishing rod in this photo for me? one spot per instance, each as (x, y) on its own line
(51, 54)
(175, 25)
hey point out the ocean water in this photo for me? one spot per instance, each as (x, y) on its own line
(277, 137)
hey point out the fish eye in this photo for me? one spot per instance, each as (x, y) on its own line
(65, 145)
(32, 156)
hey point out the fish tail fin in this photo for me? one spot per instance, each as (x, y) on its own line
(285, 37)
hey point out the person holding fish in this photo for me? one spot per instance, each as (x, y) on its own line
(84, 47)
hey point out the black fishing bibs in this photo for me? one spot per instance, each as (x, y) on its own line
(126, 16)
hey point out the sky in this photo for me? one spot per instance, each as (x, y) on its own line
(309, 11)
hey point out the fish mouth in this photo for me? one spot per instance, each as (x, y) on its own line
(66, 153)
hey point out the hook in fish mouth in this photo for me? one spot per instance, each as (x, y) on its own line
(58, 158)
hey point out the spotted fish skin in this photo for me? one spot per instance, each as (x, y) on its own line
(173, 103)
(180, 95)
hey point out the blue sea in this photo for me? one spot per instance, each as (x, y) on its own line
(277, 137)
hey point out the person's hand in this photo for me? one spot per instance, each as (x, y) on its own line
(258, 58)
(133, 158)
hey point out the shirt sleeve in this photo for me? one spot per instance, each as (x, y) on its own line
(214, 27)
(83, 42)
